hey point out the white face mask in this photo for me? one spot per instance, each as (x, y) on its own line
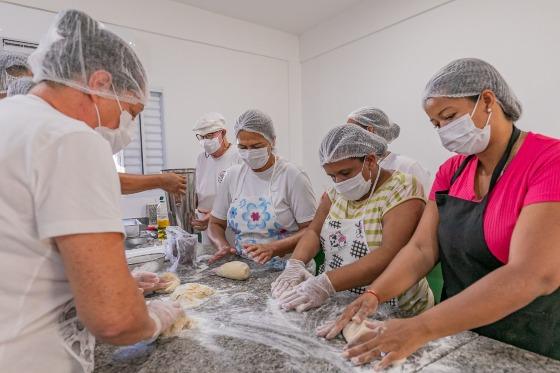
(211, 146)
(119, 137)
(356, 187)
(254, 158)
(463, 137)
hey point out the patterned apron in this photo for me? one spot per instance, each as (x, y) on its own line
(253, 220)
(78, 341)
(344, 241)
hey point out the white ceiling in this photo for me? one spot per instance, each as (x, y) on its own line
(293, 16)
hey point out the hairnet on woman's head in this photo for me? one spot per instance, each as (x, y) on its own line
(256, 121)
(22, 86)
(469, 77)
(10, 60)
(372, 117)
(76, 46)
(343, 142)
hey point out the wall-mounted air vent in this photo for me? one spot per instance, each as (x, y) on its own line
(18, 45)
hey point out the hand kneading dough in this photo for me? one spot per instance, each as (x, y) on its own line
(191, 294)
(354, 330)
(184, 322)
(173, 282)
(234, 270)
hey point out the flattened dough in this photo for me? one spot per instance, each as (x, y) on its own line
(191, 294)
(183, 322)
(173, 280)
(234, 270)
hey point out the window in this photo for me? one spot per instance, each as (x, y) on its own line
(146, 153)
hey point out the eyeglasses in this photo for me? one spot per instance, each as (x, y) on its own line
(208, 136)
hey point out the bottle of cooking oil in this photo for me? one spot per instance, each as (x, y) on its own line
(162, 218)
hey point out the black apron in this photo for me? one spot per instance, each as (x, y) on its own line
(465, 258)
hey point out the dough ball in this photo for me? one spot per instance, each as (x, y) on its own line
(173, 280)
(234, 270)
(191, 294)
(184, 322)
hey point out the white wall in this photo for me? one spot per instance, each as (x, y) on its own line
(201, 61)
(388, 63)
(379, 52)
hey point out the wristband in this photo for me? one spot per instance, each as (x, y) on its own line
(369, 291)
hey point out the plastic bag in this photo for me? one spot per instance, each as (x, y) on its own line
(180, 247)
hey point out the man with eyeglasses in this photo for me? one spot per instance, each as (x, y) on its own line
(211, 165)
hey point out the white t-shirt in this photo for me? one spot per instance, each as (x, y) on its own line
(58, 178)
(292, 195)
(210, 172)
(409, 166)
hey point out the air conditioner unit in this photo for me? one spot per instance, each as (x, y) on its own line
(13, 45)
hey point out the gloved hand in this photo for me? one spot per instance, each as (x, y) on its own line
(164, 314)
(293, 274)
(311, 293)
(146, 280)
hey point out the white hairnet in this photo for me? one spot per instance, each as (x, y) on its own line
(469, 77)
(376, 118)
(22, 86)
(343, 142)
(76, 46)
(208, 123)
(9, 61)
(258, 122)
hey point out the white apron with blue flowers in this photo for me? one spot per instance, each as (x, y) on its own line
(253, 220)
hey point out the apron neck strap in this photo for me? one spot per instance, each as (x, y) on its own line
(373, 186)
(460, 169)
(500, 166)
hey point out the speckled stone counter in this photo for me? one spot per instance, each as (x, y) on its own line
(241, 329)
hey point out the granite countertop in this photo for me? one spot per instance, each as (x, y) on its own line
(241, 329)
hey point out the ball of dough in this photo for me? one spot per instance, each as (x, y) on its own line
(234, 270)
(173, 280)
(184, 322)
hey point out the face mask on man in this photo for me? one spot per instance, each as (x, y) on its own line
(255, 158)
(463, 137)
(212, 145)
(356, 187)
(121, 136)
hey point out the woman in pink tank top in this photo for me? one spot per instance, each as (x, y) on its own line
(492, 221)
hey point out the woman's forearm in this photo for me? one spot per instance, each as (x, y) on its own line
(307, 247)
(287, 245)
(488, 300)
(217, 235)
(406, 269)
